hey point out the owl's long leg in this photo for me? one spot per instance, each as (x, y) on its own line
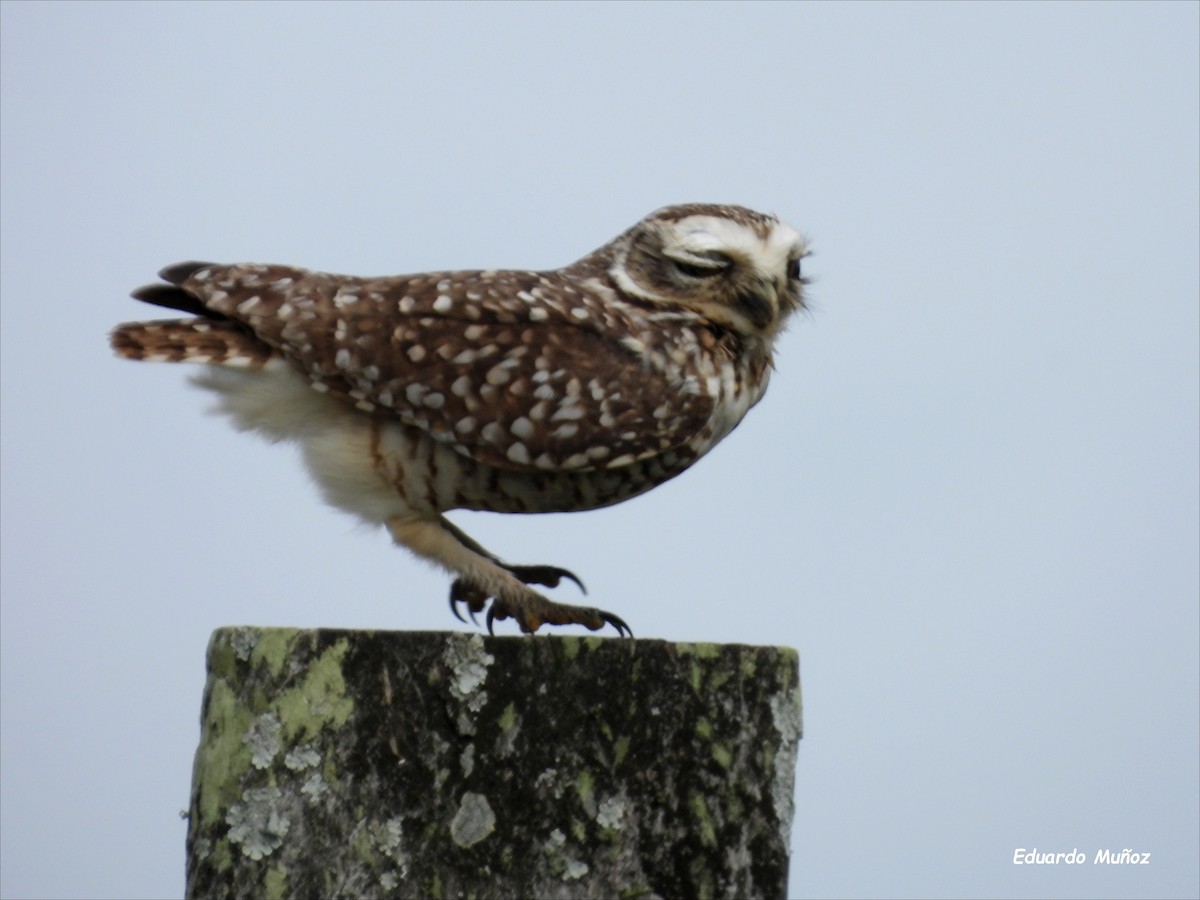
(481, 576)
(550, 576)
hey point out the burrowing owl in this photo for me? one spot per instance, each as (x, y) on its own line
(509, 391)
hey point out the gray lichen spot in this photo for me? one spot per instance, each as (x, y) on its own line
(548, 782)
(739, 858)
(314, 788)
(468, 663)
(786, 715)
(575, 869)
(467, 760)
(441, 747)
(257, 822)
(242, 640)
(302, 758)
(390, 834)
(464, 723)
(567, 867)
(474, 820)
(611, 812)
(263, 740)
(388, 837)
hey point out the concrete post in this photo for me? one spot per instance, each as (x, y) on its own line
(442, 764)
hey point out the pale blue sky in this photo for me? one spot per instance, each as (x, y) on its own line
(970, 500)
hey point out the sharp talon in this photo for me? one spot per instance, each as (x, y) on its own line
(461, 592)
(578, 583)
(497, 611)
(622, 629)
(616, 622)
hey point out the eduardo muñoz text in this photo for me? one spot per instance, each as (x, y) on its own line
(1021, 856)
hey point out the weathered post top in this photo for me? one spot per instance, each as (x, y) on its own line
(442, 764)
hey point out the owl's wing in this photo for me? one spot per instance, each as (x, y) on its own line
(514, 369)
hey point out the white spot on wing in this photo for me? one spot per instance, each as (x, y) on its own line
(632, 343)
(522, 428)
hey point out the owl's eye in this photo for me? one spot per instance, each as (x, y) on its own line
(794, 269)
(693, 271)
(700, 266)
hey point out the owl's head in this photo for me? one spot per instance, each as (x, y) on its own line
(736, 267)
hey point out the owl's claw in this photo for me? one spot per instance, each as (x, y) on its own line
(463, 592)
(607, 618)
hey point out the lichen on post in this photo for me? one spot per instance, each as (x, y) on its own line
(432, 764)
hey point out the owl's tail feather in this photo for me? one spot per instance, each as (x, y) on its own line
(220, 343)
(211, 338)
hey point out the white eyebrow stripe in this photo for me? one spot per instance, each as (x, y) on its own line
(703, 233)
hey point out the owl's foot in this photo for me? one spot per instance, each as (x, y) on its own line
(483, 577)
(463, 591)
(533, 611)
(530, 609)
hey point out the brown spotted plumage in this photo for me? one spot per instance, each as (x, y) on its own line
(509, 391)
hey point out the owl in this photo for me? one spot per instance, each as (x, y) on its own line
(503, 390)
